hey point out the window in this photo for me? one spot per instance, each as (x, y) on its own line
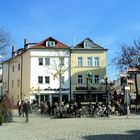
(47, 79)
(47, 61)
(40, 61)
(80, 61)
(87, 44)
(96, 61)
(61, 61)
(12, 83)
(89, 61)
(13, 68)
(50, 43)
(18, 66)
(80, 79)
(40, 79)
(18, 83)
(96, 77)
(62, 79)
(5, 85)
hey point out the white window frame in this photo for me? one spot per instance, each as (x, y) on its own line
(50, 43)
(79, 61)
(96, 61)
(89, 61)
(87, 44)
(47, 61)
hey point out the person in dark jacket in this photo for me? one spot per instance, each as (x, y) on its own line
(26, 108)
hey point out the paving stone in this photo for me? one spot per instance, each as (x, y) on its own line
(43, 127)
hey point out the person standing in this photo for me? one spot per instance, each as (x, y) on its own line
(19, 107)
(26, 108)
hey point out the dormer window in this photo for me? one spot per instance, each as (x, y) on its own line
(87, 44)
(50, 43)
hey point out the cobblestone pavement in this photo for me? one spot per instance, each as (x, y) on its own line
(42, 127)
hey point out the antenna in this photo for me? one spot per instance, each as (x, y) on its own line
(74, 40)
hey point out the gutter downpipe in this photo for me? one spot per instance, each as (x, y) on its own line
(21, 67)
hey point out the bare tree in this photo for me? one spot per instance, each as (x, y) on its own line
(129, 56)
(4, 42)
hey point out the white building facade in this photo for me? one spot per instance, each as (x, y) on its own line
(38, 72)
(1, 84)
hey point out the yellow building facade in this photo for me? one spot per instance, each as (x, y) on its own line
(138, 80)
(87, 58)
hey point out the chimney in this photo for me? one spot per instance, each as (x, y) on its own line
(25, 44)
(13, 51)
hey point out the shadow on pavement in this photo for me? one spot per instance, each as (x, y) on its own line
(130, 135)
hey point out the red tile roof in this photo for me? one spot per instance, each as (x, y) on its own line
(42, 44)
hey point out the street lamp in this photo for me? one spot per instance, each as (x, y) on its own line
(39, 96)
(105, 82)
(89, 78)
(127, 99)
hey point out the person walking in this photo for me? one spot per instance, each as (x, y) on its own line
(19, 107)
(26, 108)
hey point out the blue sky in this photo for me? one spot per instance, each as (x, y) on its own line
(109, 23)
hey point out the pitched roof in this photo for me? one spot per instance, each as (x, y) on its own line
(42, 44)
(93, 45)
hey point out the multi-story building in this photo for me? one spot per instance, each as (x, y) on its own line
(34, 72)
(138, 80)
(131, 79)
(1, 80)
(45, 70)
(88, 67)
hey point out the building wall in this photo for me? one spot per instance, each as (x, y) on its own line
(30, 70)
(43, 70)
(101, 70)
(1, 84)
(5, 78)
(138, 80)
(25, 70)
(12, 78)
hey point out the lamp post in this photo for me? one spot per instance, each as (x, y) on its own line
(127, 99)
(89, 78)
(39, 98)
(105, 82)
(107, 93)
